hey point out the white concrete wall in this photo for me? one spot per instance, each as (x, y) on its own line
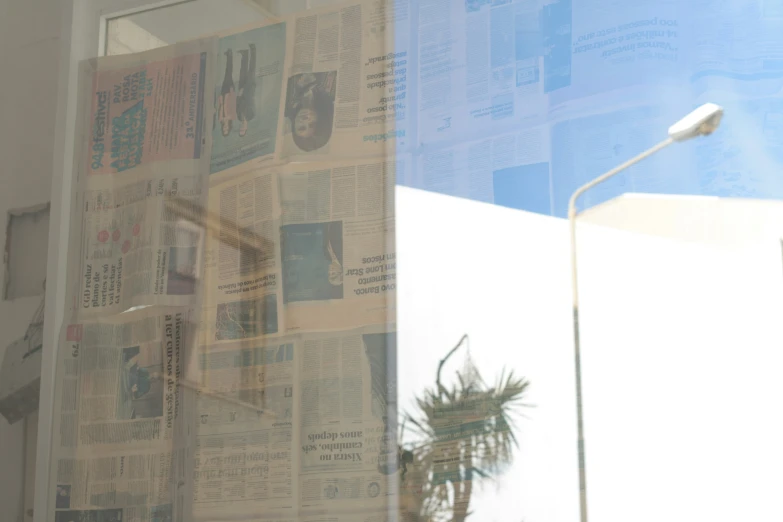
(502, 277)
(680, 351)
(29, 59)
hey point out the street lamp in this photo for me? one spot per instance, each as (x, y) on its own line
(701, 122)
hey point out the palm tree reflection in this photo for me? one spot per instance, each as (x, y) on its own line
(460, 435)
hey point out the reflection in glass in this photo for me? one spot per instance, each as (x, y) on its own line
(461, 435)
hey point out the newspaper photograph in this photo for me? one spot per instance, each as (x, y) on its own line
(147, 108)
(136, 248)
(244, 461)
(338, 260)
(345, 89)
(120, 414)
(349, 458)
(248, 90)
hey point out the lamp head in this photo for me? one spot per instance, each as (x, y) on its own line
(701, 122)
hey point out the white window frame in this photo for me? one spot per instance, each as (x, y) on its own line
(83, 36)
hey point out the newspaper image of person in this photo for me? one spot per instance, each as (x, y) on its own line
(248, 86)
(238, 104)
(312, 255)
(309, 109)
(140, 393)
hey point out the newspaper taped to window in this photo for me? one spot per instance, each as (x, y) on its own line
(349, 452)
(301, 247)
(144, 117)
(152, 106)
(337, 244)
(298, 425)
(144, 484)
(146, 108)
(145, 430)
(248, 91)
(134, 249)
(242, 261)
(244, 450)
(119, 431)
(346, 84)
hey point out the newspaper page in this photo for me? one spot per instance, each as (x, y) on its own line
(242, 267)
(301, 247)
(244, 458)
(248, 84)
(480, 67)
(137, 248)
(147, 109)
(119, 440)
(337, 244)
(144, 116)
(349, 454)
(346, 81)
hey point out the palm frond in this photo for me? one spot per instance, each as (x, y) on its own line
(482, 450)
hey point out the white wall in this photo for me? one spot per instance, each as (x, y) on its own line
(502, 277)
(29, 59)
(681, 361)
(680, 355)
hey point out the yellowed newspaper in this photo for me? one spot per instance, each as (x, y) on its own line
(242, 259)
(146, 109)
(244, 451)
(301, 247)
(348, 413)
(134, 250)
(120, 444)
(232, 277)
(143, 143)
(346, 82)
(338, 257)
(297, 425)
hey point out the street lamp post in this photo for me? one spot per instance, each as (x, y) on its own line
(701, 122)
